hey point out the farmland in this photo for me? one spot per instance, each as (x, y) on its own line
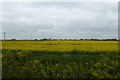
(62, 45)
(60, 59)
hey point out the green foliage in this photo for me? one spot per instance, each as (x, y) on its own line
(60, 59)
(55, 64)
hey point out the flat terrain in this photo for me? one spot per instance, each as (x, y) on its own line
(61, 45)
(60, 59)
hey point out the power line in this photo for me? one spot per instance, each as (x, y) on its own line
(4, 36)
(31, 37)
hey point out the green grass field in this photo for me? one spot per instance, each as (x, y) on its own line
(60, 59)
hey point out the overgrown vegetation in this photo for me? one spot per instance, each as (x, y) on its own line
(72, 64)
(60, 59)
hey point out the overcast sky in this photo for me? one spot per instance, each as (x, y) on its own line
(23, 20)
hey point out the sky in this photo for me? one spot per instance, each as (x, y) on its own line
(59, 0)
(70, 20)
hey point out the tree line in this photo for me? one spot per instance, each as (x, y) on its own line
(50, 39)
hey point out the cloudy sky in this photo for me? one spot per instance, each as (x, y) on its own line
(23, 20)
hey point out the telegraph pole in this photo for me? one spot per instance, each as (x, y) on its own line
(4, 36)
(31, 37)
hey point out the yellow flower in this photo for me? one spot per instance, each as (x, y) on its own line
(36, 61)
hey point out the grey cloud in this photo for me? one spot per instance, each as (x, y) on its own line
(61, 20)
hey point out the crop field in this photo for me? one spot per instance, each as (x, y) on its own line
(60, 59)
(62, 45)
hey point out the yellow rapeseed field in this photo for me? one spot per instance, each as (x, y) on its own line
(61, 45)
